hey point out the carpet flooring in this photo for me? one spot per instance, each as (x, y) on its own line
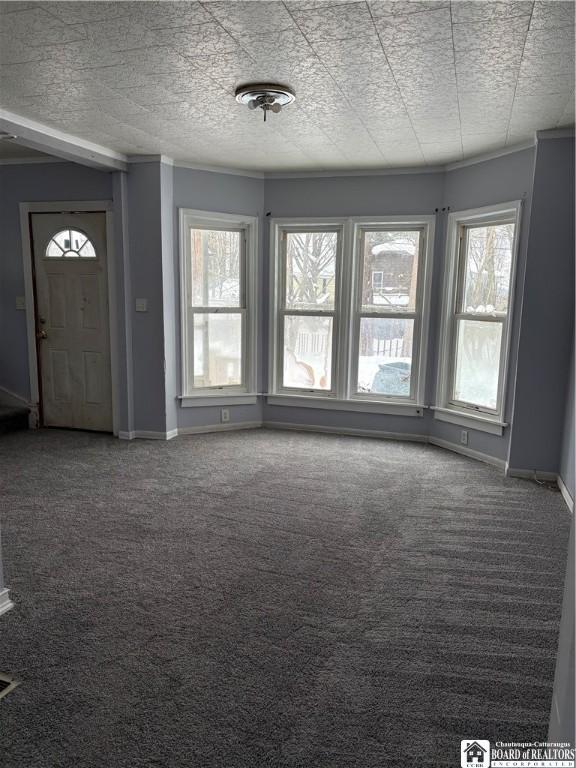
(268, 598)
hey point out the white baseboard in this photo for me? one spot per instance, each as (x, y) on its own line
(531, 474)
(147, 435)
(372, 433)
(5, 602)
(228, 427)
(11, 398)
(17, 401)
(565, 494)
(346, 431)
(469, 452)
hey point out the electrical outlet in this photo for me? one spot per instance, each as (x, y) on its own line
(224, 415)
(464, 437)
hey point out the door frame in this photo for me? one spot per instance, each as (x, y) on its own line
(68, 206)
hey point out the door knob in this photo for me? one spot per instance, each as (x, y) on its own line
(42, 334)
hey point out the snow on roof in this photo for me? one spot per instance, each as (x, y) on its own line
(405, 247)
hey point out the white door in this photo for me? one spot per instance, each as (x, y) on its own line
(73, 337)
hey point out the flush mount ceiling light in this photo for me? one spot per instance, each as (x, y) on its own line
(269, 97)
(7, 136)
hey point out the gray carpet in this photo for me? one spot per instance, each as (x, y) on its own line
(271, 599)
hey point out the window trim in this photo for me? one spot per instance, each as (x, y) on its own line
(282, 311)
(447, 409)
(420, 314)
(248, 310)
(346, 287)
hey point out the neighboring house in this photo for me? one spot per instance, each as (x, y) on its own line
(391, 271)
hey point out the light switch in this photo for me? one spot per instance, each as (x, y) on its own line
(141, 305)
(20, 302)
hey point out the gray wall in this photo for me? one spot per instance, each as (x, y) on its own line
(146, 254)
(220, 193)
(562, 718)
(146, 202)
(386, 195)
(567, 458)
(501, 180)
(24, 184)
(547, 313)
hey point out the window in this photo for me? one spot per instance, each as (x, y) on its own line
(387, 313)
(307, 314)
(218, 305)
(478, 299)
(349, 313)
(70, 244)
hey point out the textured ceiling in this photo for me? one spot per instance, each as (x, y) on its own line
(378, 84)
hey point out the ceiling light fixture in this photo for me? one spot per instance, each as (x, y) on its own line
(268, 96)
(7, 136)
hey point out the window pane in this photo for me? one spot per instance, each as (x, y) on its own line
(308, 352)
(477, 362)
(311, 270)
(390, 270)
(385, 362)
(87, 251)
(68, 244)
(217, 350)
(487, 268)
(215, 268)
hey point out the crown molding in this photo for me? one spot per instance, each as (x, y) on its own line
(483, 157)
(137, 159)
(68, 148)
(34, 135)
(555, 133)
(218, 169)
(400, 171)
(31, 160)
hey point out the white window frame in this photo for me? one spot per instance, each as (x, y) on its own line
(245, 393)
(418, 314)
(282, 311)
(447, 408)
(342, 395)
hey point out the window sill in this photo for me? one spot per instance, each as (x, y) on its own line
(482, 423)
(326, 403)
(198, 401)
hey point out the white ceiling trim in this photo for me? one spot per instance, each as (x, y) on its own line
(30, 160)
(217, 169)
(137, 159)
(346, 172)
(482, 158)
(41, 137)
(555, 133)
(193, 166)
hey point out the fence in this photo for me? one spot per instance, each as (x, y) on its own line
(392, 347)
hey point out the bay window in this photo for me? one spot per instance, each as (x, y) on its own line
(349, 312)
